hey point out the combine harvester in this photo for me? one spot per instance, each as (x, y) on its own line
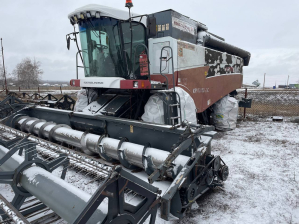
(132, 64)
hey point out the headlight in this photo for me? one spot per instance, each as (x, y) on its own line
(75, 18)
(135, 84)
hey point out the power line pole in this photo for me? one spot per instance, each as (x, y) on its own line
(264, 81)
(4, 68)
(288, 81)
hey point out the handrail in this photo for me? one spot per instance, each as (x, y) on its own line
(77, 64)
(79, 51)
(166, 62)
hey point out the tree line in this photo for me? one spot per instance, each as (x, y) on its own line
(27, 74)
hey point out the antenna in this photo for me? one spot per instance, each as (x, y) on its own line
(129, 5)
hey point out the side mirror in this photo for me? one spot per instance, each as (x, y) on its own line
(68, 41)
(151, 27)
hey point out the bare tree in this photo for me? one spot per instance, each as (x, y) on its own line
(1, 75)
(2, 82)
(28, 73)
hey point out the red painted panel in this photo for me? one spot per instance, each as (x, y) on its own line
(75, 82)
(160, 78)
(204, 91)
(129, 84)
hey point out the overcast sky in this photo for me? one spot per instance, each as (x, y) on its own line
(266, 28)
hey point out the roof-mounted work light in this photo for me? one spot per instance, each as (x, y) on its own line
(88, 15)
(72, 20)
(75, 18)
(97, 14)
(129, 3)
(82, 16)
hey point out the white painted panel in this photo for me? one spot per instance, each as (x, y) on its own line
(101, 82)
(190, 55)
(155, 47)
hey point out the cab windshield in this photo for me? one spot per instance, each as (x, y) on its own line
(105, 48)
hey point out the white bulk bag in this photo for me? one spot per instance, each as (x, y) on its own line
(226, 113)
(188, 107)
(83, 101)
(154, 111)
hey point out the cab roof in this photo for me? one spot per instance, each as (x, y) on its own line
(103, 11)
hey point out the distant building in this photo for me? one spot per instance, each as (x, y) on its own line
(282, 86)
(294, 86)
(291, 86)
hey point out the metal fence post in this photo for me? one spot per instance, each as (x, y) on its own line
(60, 90)
(245, 98)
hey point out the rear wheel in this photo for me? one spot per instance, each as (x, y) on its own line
(205, 117)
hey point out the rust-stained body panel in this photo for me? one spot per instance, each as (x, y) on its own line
(204, 91)
(206, 74)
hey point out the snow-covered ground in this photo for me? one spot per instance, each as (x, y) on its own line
(263, 186)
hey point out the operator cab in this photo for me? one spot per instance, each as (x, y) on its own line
(106, 47)
(113, 45)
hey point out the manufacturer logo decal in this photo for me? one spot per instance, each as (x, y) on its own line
(201, 90)
(93, 82)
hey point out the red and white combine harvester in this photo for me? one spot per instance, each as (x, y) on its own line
(145, 104)
(133, 56)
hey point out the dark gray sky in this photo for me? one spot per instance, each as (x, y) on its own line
(266, 28)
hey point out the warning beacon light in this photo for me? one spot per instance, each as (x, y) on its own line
(129, 3)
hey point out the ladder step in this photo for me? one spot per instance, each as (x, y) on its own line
(173, 105)
(172, 118)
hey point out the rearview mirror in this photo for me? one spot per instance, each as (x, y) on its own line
(68, 40)
(151, 27)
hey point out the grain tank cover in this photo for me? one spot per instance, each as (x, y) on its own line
(173, 24)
